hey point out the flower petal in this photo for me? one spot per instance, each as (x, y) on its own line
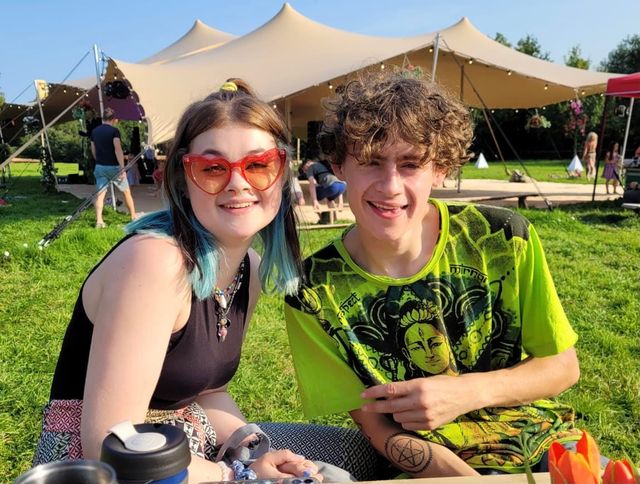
(588, 448)
(556, 475)
(619, 472)
(556, 451)
(576, 469)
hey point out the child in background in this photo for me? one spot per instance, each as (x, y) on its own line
(612, 162)
(158, 174)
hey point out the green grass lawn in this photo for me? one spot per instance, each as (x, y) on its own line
(593, 252)
(541, 170)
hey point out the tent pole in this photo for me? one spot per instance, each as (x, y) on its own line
(626, 131)
(98, 79)
(603, 125)
(287, 109)
(44, 123)
(436, 48)
(462, 101)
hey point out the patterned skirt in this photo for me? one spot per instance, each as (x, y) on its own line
(60, 436)
(343, 449)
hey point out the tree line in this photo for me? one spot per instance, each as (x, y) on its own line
(562, 138)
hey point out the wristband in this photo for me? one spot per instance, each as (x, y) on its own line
(242, 472)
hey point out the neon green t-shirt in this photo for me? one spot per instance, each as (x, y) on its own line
(483, 302)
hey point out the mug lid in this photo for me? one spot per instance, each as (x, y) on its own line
(151, 461)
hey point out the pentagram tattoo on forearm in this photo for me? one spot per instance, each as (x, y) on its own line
(408, 452)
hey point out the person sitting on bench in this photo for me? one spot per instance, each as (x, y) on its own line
(323, 185)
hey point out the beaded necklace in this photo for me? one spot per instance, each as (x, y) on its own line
(224, 301)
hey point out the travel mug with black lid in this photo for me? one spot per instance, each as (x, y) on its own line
(147, 453)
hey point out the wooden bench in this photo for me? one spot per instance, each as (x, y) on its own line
(632, 206)
(333, 217)
(332, 220)
(522, 198)
(333, 212)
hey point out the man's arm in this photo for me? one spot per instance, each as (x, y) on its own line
(428, 403)
(312, 192)
(93, 150)
(117, 145)
(408, 452)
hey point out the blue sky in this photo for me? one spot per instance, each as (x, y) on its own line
(44, 39)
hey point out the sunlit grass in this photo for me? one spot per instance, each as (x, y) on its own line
(593, 252)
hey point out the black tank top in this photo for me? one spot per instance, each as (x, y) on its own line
(195, 359)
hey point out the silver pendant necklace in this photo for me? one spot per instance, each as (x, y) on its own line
(224, 301)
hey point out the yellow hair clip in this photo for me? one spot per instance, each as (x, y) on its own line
(229, 86)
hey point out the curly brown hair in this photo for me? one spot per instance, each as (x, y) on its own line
(383, 105)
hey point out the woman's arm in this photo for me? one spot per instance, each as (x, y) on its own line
(135, 299)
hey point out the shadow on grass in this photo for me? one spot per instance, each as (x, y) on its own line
(608, 212)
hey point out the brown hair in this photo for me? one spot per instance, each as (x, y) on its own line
(108, 114)
(383, 105)
(222, 108)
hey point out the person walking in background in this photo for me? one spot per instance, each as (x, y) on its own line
(612, 162)
(106, 149)
(589, 154)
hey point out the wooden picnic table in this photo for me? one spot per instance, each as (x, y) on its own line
(522, 198)
(540, 478)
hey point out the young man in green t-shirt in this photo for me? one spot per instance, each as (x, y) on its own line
(437, 326)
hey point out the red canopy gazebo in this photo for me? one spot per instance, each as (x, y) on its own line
(625, 86)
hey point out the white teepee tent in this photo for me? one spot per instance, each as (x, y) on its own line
(575, 165)
(482, 162)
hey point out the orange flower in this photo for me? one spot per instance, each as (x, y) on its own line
(619, 472)
(581, 467)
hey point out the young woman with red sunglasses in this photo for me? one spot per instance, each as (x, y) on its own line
(158, 326)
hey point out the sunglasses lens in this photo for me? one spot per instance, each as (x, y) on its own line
(210, 175)
(213, 174)
(262, 171)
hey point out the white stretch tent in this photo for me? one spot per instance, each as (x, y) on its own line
(200, 37)
(291, 60)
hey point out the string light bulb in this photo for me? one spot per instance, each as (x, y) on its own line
(470, 61)
(546, 87)
(582, 93)
(430, 49)
(509, 73)
(330, 85)
(382, 65)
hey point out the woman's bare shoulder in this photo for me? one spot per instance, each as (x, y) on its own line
(148, 257)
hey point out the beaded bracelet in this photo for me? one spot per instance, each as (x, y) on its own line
(242, 472)
(227, 472)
